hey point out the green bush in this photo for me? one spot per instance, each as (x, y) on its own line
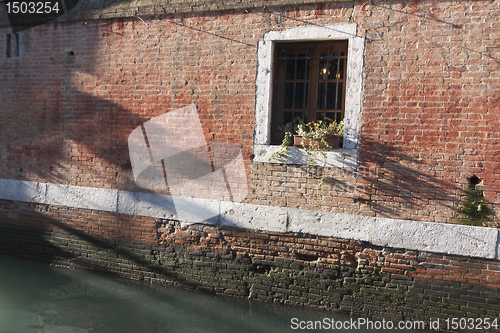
(475, 209)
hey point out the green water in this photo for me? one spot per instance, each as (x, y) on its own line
(37, 298)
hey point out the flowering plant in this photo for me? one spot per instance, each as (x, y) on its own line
(320, 130)
(314, 136)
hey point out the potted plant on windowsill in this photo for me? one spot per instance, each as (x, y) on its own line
(314, 137)
(319, 135)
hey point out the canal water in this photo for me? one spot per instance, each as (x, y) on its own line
(36, 298)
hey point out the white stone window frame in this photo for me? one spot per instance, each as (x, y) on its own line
(345, 157)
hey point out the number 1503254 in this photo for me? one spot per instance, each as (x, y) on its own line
(471, 323)
(31, 7)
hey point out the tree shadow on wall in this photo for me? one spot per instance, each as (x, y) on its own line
(397, 185)
(86, 143)
(28, 233)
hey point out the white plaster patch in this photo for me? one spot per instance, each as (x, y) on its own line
(436, 237)
(82, 197)
(253, 216)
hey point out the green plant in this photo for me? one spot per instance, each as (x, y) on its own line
(288, 130)
(475, 209)
(316, 132)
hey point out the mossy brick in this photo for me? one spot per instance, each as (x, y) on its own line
(435, 293)
(492, 301)
(312, 294)
(459, 302)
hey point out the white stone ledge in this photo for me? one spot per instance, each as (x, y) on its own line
(412, 235)
(16, 190)
(251, 216)
(337, 158)
(436, 237)
(146, 204)
(81, 197)
(337, 225)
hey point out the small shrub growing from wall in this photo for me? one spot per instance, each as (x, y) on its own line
(475, 209)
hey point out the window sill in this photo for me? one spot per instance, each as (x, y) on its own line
(335, 158)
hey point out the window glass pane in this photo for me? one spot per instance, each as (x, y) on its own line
(329, 115)
(330, 94)
(302, 67)
(287, 117)
(331, 69)
(339, 97)
(8, 45)
(302, 51)
(283, 52)
(288, 98)
(339, 117)
(301, 95)
(332, 54)
(290, 67)
(298, 97)
(332, 50)
(321, 96)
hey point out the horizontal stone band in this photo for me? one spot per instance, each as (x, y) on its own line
(412, 235)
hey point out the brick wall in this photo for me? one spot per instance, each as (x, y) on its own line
(429, 121)
(429, 109)
(429, 76)
(294, 268)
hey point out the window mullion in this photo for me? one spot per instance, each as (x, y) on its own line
(316, 83)
(306, 77)
(284, 91)
(326, 81)
(294, 82)
(337, 84)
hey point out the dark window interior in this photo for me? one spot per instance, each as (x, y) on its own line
(12, 45)
(309, 82)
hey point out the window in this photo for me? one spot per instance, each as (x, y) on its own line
(309, 82)
(336, 94)
(12, 45)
